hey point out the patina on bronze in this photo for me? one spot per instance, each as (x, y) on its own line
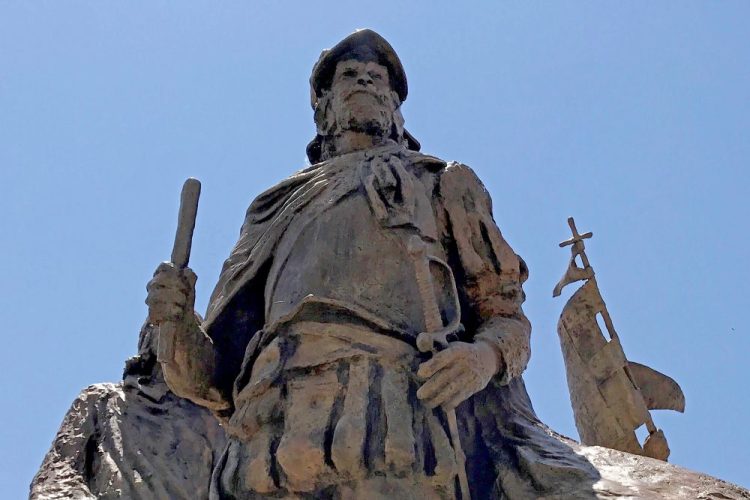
(309, 347)
(309, 353)
(365, 340)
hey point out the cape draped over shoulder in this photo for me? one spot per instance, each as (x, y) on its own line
(236, 307)
(312, 190)
(507, 441)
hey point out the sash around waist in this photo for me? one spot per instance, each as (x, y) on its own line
(308, 344)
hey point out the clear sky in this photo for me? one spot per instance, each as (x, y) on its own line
(633, 117)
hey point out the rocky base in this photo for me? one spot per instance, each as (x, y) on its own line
(121, 441)
(624, 475)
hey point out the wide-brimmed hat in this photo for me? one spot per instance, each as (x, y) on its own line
(363, 45)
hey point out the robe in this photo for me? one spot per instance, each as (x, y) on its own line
(510, 453)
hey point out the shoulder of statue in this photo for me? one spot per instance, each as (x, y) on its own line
(269, 199)
(459, 181)
(455, 181)
(429, 162)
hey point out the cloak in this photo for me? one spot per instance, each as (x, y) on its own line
(509, 450)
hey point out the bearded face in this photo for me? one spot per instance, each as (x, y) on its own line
(361, 98)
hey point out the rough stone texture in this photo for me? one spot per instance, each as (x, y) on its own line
(134, 440)
(624, 475)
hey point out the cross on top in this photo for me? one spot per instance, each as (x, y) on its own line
(576, 237)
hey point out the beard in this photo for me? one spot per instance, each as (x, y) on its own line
(363, 111)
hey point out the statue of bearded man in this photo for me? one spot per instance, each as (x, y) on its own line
(309, 349)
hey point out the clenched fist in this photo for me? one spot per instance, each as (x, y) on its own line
(456, 373)
(171, 294)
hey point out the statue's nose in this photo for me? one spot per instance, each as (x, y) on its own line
(365, 81)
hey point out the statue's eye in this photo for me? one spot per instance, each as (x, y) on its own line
(350, 73)
(376, 76)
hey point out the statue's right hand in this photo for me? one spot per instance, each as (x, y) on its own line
(171, 294)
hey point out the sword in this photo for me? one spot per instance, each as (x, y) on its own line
(183, 242)
(436, 337)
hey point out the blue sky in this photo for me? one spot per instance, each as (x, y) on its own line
(632, 117)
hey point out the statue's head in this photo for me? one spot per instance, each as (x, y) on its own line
(358, 85)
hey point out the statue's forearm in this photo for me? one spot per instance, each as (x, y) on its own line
(509, 336)
(190, 370)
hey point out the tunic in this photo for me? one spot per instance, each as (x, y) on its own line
(344, 254)
(318, 296)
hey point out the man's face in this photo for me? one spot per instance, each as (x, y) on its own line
(361, 97)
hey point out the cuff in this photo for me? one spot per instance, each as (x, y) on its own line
(510, 339)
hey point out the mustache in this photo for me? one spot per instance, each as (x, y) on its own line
(377, 95)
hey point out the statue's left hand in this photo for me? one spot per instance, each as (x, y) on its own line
(456, 373)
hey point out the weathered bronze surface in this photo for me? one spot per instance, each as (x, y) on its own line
(366, 333)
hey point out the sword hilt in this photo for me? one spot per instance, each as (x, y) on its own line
(435, 336)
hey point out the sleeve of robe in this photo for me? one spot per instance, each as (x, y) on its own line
(489, 274)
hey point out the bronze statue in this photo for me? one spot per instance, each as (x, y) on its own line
(365, 340)
(309, 344)
(366, 333)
